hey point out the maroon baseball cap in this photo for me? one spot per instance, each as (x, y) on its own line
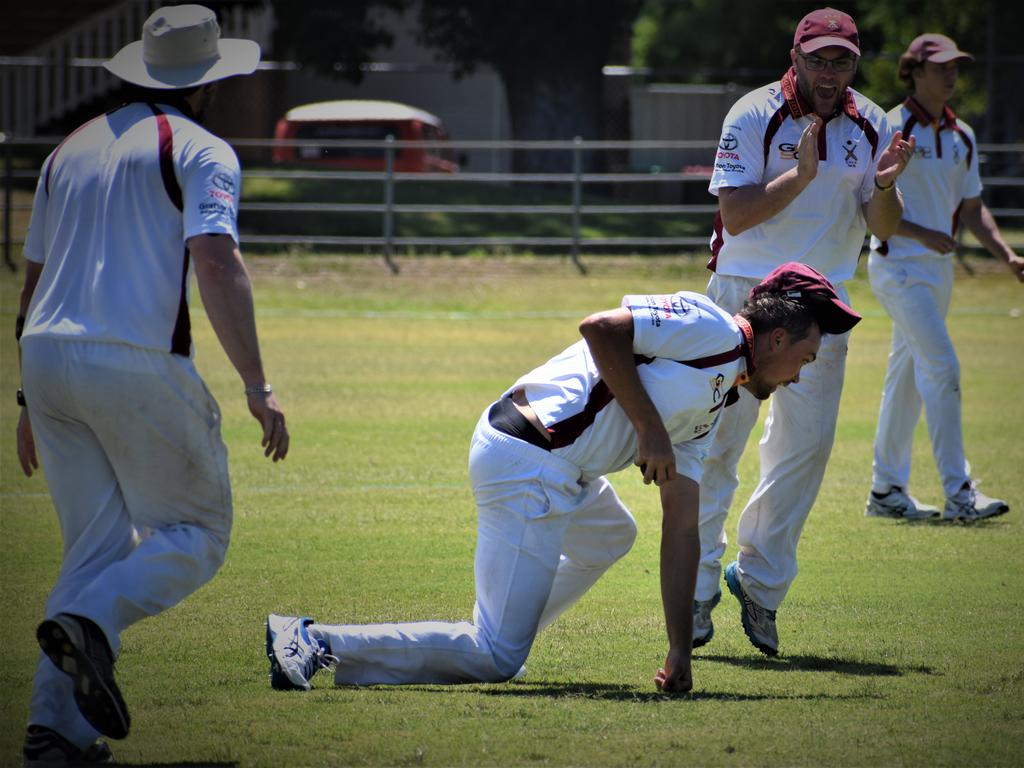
(825, 27)
(811, 288)
(935, 47)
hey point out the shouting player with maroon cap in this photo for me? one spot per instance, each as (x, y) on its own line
(802, 166)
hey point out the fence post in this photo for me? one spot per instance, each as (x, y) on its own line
(8, 193)
(389, 202)
(577, 198)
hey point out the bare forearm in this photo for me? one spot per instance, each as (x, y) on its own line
(33, 270)
(227, 297)
(680, 555)
(744, 208)
(884, 212)
(983, 226)
(609, 337)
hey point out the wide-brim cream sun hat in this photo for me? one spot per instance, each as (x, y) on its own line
(181, 47)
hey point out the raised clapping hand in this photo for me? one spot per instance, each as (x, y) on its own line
(807, 150)
(894, 159)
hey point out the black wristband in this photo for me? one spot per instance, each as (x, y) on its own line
(884, 189)
(19, 326)
(21, 397)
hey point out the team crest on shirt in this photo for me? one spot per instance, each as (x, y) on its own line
(850, 148)
(788, 151)
(716, 387)
(956, 153)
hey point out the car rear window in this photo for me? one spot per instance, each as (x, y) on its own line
(362, 131)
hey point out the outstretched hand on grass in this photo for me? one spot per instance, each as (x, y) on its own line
(676, 676)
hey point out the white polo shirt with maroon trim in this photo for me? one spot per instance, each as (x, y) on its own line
(824, 225)
(114, 205)
(688, 354)
(942, 174)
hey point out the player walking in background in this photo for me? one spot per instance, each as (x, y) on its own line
(911, 273)
(803, 165)
(646, 385)
(126, 429)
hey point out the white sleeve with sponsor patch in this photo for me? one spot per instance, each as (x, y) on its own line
(211, 182)
(675, 326)
(589, 427)
(739, 158)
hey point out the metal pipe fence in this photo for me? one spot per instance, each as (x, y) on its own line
(389, 210)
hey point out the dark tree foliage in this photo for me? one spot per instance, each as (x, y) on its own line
(549, 55)
(333, 38)
(748, 42)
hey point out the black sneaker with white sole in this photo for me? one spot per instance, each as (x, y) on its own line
(45, 748)
(79, 649)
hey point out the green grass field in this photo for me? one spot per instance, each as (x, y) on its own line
(900, 644)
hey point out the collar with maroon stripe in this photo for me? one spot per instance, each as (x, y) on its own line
(746, 347)
(798, 105)
(924, 116)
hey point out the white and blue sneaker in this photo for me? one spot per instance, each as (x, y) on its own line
(970, 505)
(758, 622)
(897, 504)
(294, 656)
(703, 627)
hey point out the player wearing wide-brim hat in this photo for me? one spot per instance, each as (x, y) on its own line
(126, 208)
(911, 273)
(181, 47)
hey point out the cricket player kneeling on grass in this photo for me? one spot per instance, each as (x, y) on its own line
(646, 386)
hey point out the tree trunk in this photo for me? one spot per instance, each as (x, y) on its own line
(558, 103)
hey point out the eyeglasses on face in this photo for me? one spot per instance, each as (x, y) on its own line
(818, 64)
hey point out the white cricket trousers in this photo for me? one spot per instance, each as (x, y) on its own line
(543, 539)
(130, 442)
(923, 367)
(794, 451)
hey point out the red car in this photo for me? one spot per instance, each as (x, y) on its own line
(367, 121)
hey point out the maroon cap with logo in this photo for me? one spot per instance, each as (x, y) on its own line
(935, 47)
(825, 27)
(808, 286)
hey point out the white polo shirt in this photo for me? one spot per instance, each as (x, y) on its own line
(114, 205)
(824, 225)
(942, 174)
(688, 353)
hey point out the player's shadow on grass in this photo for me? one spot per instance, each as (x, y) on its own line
(618, 692)
(804, 663)
(191, 764)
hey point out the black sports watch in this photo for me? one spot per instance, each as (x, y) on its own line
(21, 397)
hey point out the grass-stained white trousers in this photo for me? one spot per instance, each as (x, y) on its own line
(794, 450)
(922, 368)
(130, 443)
(543, 539)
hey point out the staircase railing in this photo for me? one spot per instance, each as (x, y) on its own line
(65, 71)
